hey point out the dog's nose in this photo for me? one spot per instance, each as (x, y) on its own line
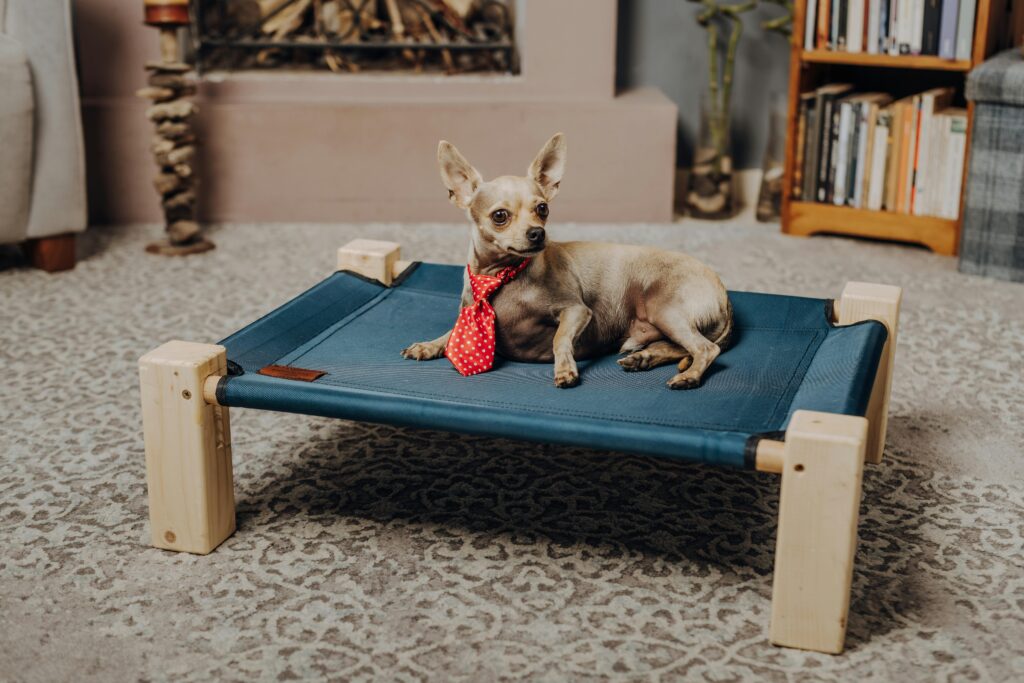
(535, 235)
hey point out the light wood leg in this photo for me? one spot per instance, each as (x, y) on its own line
(373, 259)
(866, 301)
(188, 448)
(817, 537)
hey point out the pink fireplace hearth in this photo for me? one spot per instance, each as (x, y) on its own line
(318, 146)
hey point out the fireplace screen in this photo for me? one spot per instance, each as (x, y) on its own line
(417, 36)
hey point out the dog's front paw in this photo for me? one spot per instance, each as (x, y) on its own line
(683, 380)
(423, 351)
(566, 377)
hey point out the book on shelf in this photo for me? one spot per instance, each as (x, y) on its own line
(947, 29)
(930, 27)
(924, 166)
(940, 28)
(865, 151)
(965, 28)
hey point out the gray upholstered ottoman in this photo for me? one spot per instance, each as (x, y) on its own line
(992, 242)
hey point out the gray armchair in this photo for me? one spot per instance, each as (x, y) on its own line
(42, 158)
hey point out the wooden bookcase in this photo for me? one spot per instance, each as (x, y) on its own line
(809, 69)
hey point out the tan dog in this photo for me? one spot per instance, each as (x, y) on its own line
(580, 299)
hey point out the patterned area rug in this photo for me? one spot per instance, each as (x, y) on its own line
(370, 552)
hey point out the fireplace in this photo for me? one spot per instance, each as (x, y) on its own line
(292, 140)
(351, 36)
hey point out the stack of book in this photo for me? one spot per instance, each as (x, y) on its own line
(944, 28)
(867, 151)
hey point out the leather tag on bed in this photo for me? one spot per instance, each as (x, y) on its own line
(288, 372)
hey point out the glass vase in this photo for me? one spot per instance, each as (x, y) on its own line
(709, 191)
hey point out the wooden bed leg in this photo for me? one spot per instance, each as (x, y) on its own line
(373, 259)
(866, 301)
(817, 537)
(188, 448)
(52, 254)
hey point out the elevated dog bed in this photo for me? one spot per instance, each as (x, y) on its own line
(787, 355)
(792, 390)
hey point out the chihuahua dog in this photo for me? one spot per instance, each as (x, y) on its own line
(579, 300)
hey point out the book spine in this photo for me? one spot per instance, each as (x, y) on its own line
(842, 24)
(798, 163)
(947, 29)
(930, 28)
(825, 147)
(842, 155)
(965, 29)
(811, 147)
(914, 137)
(833, 156)
(883, 26)
(907, 115)
(860, 168)
(833, 31)
(904, 23)
(824, 23)
(894, 14)
(917, 27)
(810, 24)
(941, 176)
(919, 195)
(892, 158)
(958, 150)
(876, 176)
(874, 12)
(855, 26)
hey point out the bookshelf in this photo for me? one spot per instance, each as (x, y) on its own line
(809, 69)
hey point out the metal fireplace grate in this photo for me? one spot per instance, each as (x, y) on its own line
(353, 35)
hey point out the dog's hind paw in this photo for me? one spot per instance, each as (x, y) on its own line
(423, 351)
(635, 362)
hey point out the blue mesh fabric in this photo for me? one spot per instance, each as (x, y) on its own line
(785, 356)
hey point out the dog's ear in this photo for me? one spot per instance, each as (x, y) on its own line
(548, 167)
(459, 176)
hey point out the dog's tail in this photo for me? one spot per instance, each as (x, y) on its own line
(724, 340)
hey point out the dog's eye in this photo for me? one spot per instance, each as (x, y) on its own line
(500, 217)
(542, 210)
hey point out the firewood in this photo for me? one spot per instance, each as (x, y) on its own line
(185, 199)
(181, 155)
(287, 20)
(435, 35)
(167, 80)
(181, 109)
(161, 145)
(395, 15)
(183, 170)
(166, 183)
(168, 67)
(174, 130)
(156, 94)
(182, 232)
(268, 7)
(461, 7)
(178, 213)
(243, 16)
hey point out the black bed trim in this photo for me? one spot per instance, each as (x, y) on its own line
(750, 448)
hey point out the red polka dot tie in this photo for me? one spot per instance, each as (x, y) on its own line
(471, 344)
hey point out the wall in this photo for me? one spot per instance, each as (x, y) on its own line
(661, 44)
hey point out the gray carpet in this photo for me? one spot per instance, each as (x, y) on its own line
(370, 552)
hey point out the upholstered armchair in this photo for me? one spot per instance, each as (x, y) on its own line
(42, 160)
